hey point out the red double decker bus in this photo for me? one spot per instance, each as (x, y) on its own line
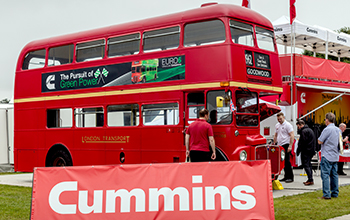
(76, 102)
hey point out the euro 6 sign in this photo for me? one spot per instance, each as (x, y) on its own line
(218, 190)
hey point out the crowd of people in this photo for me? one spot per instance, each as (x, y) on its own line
(330, 139)
(200, 146)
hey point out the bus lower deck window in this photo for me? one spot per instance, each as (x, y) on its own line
(160, 114)
(123, 115)
(89, 117)
(59, 118)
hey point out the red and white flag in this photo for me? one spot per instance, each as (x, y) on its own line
(246, 3)
(292, 11)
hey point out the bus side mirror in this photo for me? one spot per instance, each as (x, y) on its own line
(219, 101)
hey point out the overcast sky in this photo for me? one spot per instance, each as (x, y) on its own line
(22, 21)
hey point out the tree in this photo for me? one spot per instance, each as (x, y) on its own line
(6, 100)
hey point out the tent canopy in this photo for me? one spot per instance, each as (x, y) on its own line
(313, 38)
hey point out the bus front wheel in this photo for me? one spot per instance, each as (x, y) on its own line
(60, 159)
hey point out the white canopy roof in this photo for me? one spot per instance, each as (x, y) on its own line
(313, 38)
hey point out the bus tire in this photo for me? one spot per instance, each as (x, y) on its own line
(60, 158)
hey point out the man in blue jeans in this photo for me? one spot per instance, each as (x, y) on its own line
(329, 140)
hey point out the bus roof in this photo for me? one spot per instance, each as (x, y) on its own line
(207, 11)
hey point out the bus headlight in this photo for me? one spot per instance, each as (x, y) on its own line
(243, 155)
(283, 155)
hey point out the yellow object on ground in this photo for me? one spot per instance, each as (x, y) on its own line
(276, 185)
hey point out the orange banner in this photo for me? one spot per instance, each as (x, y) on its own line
(208, 190)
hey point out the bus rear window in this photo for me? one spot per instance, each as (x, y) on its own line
(242, 33)
(162, 39)
(60, 55)
(124, 45)
(201, 33)
(34, 60)
(265, 39)
(92, 50)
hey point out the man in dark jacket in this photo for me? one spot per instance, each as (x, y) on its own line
(307, 147)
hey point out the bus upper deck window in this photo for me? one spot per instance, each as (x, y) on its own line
(60, 55)
(208, 32)
(242, 33)
(34, 60)
(162, 39)
(124, 45)
(265, 39)
(91, 50)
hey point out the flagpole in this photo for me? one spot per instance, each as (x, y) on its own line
(292, 49)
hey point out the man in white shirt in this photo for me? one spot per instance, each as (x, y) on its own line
(284, 136)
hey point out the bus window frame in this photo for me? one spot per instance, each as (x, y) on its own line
(143, 37)
(85, 107)
(237, 114)
(61, 45)
(240, 28)
(142, 123)
(87, 47)
(121, 35)
(223, 21)
(126, 126)
(273, 38)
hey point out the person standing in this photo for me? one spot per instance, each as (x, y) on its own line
(199, 136)
(307, 148)
(329, 140)
(342, 127)
(284, 136)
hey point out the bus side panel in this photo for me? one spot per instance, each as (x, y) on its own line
(123, 142)
(207, 64)
(27, 84)
(89, 146)
(28, 138)
(161, 144)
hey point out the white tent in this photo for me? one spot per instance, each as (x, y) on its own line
(313, 38)
(338, 43)
(306, 36)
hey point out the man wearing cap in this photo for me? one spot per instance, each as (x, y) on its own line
(307, 147)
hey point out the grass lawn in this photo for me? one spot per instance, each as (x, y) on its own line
(309, 206)
(15, 204)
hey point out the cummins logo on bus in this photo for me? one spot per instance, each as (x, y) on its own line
(258, 72)
(217, 190)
